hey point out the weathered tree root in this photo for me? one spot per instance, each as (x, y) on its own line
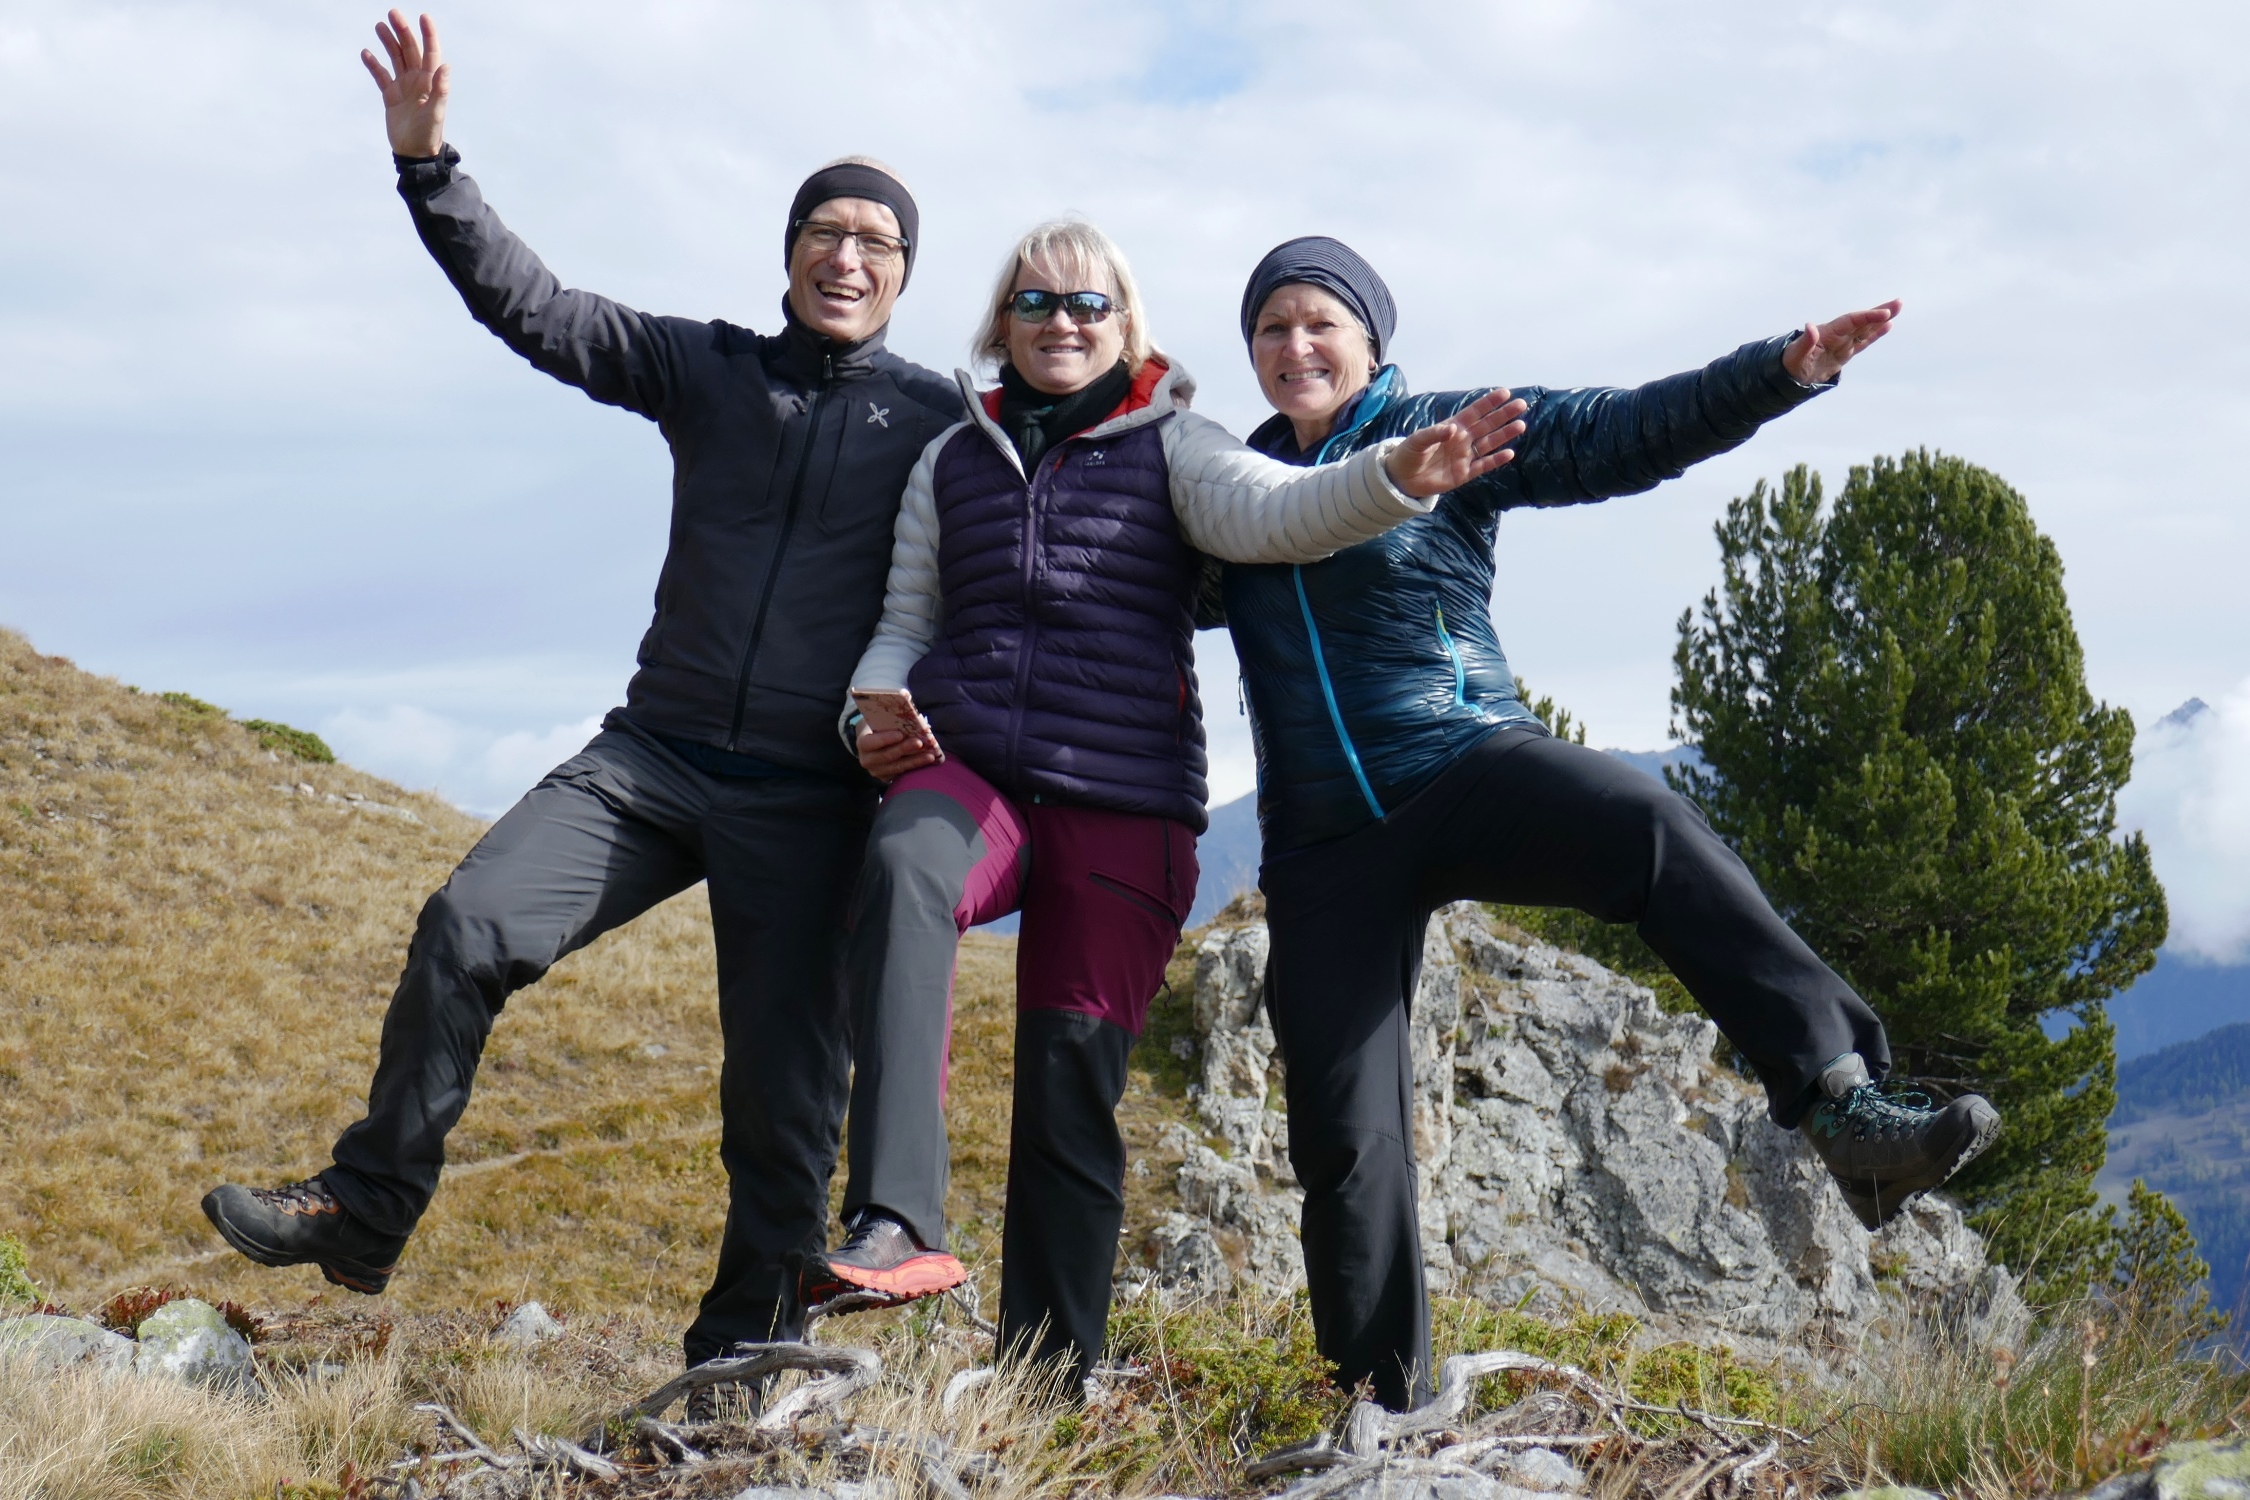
(540, 1452)
(1378, 1442)
(1370, 1428)
(963, 1383)
(847, 1371)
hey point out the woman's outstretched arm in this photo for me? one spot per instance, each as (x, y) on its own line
(1235, 503)
(1598, 442)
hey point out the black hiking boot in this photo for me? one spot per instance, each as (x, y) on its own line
(741, 1401)
(1885, 1145)
(880, 1256)
(304, 1224)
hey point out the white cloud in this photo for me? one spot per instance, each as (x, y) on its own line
(2191, 794)
(251, 434)
(481, 770)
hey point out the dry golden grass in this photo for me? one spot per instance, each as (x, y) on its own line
(194, 964)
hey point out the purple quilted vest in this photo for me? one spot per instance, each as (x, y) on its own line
(1063, 669)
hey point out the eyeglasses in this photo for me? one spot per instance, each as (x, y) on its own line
(1083, 307)
(826, 239)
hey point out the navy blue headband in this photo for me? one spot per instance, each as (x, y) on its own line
(853, 179)
(1333, 266)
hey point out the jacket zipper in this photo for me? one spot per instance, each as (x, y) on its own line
(1030, 615)
(781, 545)
(1453, 654)
(1328, 693)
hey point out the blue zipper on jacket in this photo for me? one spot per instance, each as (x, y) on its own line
(1328, 691)
(1453, 654)
(1320, 659)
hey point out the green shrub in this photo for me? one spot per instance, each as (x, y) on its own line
(1708, 1378)
(1228, 1380)
(301, 743)
(16, 1284)
(192, 706)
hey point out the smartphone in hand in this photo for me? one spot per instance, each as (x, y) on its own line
(893, 708)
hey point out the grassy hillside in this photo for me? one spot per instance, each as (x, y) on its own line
(198, 937)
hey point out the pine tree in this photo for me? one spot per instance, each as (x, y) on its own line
(1891, 705)
(2158, 1272)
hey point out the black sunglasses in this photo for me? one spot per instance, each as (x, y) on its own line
(1083, 307)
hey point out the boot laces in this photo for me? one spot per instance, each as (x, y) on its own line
(308, 1197)
(875, 1233)
(1873, 1109)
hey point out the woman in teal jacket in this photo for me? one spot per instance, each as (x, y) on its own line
(1398, 770)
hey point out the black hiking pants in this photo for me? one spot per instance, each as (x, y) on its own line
(608, 834)
(1530, 820)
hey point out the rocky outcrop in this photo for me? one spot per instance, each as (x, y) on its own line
(1576, 1144)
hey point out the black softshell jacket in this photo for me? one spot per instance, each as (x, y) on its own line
(789, 454)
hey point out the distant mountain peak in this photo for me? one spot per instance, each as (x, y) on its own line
(2186, 714)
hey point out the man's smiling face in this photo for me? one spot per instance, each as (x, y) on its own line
(842, 292)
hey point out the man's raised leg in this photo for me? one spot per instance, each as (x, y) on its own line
(603, 837)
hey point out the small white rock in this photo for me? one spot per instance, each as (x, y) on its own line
(1540, 1469)
(527, 1327)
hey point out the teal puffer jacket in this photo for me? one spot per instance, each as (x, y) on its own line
(1368, 674)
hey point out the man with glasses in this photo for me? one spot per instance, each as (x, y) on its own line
(790, 452)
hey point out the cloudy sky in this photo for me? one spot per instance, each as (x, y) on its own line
(251, 447)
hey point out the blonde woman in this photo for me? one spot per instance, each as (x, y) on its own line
(1040, 610)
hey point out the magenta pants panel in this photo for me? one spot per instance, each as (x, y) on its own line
(1103, 894)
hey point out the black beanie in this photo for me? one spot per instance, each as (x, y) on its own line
(1333, 266)
(853, 179)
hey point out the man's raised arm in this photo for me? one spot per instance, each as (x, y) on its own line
(611, 352)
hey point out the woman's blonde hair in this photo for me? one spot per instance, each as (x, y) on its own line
(1076, 251)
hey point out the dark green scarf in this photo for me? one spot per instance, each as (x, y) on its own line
(1035, 421)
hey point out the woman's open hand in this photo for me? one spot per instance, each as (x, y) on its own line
(1827, 347)
(1446, 455)
(888, 754)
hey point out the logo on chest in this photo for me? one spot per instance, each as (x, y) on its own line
(880, 414)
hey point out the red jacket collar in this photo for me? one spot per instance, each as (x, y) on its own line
(1152, 370)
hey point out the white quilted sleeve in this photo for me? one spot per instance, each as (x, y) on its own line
(1235, 503)
(910, 598)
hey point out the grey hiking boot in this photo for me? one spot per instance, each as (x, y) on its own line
(1883, 1145)
(304, 1224)
(880, 1256)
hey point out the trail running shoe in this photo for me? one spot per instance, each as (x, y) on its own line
(879, 1256)
(304, 1224)
(1885, 1145)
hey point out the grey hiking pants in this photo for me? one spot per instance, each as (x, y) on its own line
(608, 834)
(1529, 820)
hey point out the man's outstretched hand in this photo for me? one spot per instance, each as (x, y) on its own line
(415, 88)
(1827, 347)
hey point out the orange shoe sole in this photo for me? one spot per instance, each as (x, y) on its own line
(923, 1274)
